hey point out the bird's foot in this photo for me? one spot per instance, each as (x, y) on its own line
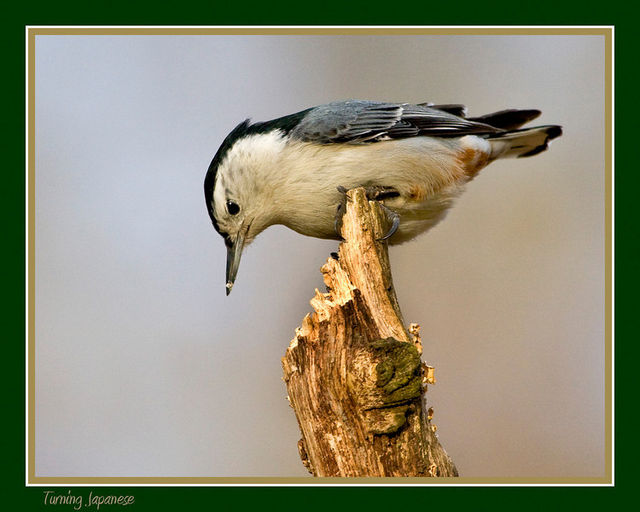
(373, 193)
(340, 211)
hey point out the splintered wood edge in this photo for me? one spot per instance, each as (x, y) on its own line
(361, 256)
(340, 292)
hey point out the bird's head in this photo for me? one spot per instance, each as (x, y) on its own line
(237, 189)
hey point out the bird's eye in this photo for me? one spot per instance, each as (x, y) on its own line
(232, 208)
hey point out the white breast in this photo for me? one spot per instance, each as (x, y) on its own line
(426, 171)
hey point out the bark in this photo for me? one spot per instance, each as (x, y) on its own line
(353, 371)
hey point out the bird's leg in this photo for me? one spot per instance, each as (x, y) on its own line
(373, 193)
(380, 193)
(340, 211)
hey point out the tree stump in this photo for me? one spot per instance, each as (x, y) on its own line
(353, 371)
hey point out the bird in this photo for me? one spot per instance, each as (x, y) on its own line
(416, 159)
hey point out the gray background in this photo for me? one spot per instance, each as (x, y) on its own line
(145, 368)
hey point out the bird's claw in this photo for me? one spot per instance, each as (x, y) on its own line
(395, 222)
(342, 208)
(337, 225)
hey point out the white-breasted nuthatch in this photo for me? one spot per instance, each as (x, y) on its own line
(293, 170)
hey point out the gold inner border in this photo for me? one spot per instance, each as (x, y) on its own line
(606, 32)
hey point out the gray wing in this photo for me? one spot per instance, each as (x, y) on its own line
(357, 122)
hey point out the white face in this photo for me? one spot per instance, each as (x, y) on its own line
(228, 209)
(242, 190)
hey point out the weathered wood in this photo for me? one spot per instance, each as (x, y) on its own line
(353, 371)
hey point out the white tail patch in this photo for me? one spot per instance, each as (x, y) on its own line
(521, 143)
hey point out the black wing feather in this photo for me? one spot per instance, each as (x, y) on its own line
(510, 119)
(356, 122)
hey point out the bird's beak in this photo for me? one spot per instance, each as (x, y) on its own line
(234, 252)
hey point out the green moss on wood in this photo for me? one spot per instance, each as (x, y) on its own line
(395, 385)
(398, 374)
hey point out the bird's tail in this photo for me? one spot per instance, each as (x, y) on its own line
(514, 141)
(523, 142)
